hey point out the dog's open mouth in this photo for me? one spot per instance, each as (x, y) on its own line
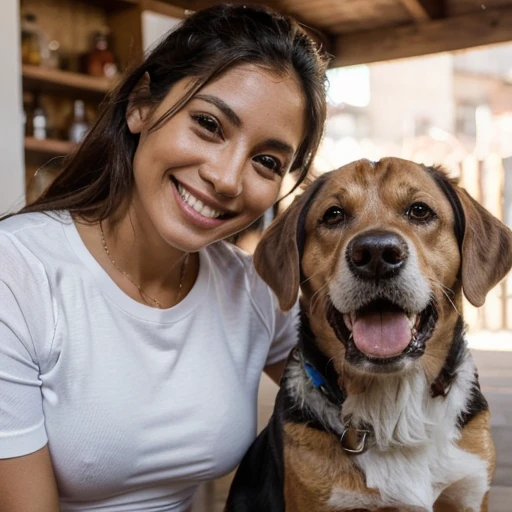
(382, 331)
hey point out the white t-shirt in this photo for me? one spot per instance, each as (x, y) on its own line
(138, 404)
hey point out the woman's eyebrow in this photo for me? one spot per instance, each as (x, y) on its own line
(222, 106)
(279, 145)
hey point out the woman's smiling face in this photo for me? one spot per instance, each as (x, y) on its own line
(216, 165)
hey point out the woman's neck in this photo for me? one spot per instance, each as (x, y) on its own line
(140, 261)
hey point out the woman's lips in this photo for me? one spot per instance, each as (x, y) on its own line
(192, 212)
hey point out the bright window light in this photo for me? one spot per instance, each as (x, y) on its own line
(349, 86)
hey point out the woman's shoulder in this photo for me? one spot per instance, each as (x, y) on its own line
(27, 239)
(16, 230)
(24, 243)
(33, 224)
(19, 221)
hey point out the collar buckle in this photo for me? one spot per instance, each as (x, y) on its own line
(358, 445)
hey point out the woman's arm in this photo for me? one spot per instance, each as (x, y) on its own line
(27, 483)
(27, 327)
(275, 370)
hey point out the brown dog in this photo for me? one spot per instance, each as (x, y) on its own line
(380, 407)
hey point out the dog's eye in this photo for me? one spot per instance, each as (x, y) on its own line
(420, 212)
(334, 215)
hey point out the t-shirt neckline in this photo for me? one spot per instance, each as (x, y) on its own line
(124, 301)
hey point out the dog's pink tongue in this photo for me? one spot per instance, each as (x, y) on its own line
(382, 334)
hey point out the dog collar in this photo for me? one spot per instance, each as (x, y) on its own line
(315, 376)
(319, 368)
(335, 395)
(353, 440)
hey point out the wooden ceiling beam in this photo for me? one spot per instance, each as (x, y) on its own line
(196, 5)
(476, 29)
(423, 10)
(161, 7)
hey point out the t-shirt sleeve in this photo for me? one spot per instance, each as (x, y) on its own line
(24, 331)
(281, 328)
(285, 333)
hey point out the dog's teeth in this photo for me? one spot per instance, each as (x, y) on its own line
(348, 321)
(414, 321)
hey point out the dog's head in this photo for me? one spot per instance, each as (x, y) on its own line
(383, 252)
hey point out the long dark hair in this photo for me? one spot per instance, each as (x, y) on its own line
(97, 179)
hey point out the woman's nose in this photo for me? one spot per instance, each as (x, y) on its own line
(225, 176)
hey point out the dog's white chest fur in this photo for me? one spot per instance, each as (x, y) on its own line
(414, 456)
(413, 478)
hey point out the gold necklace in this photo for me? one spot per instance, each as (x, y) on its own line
(143, 294)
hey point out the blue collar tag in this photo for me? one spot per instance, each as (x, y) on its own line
(315, 376)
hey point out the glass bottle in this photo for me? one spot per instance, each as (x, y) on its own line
(53, 59)
(78, 127)
(100, 59)
(39, 121)
(34, 42)
(30, 40)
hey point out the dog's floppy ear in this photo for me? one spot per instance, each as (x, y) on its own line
(277, 258)
(486, 250)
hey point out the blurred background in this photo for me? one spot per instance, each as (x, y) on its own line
(426, 80)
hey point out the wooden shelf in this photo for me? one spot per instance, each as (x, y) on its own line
(48, 147)
(39, 79)
(112, 5)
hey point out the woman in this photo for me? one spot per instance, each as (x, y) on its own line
(132, 337)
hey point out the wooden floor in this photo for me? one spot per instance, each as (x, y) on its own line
(495, 368)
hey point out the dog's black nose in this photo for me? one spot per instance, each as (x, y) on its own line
(377, 254)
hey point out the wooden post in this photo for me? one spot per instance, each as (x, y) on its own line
(12, 172)
(507, 219)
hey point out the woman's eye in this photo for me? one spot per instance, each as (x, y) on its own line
(420, 212)
(334, 215)
(208, 123)
(271, 163)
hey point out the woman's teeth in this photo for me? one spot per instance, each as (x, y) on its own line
(197, 204)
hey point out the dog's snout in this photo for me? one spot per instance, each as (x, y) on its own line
(377, 254)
